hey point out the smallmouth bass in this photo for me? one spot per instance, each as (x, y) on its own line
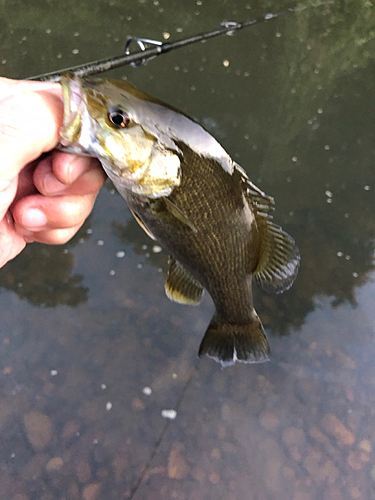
(189, 195)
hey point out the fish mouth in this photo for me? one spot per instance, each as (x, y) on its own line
(73, 110)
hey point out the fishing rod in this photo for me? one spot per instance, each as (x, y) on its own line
(149, 49)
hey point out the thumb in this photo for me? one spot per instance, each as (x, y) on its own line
(29, 123)
(30, 118)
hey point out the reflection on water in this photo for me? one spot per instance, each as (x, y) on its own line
(82, 388)
(48, 284)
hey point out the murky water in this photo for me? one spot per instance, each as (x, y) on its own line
(91, 349)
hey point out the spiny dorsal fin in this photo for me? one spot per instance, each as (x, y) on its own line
(181, 286)
(279, 258)
(263, 203)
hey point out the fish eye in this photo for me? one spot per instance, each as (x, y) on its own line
(118, 118)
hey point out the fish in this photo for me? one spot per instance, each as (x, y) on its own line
(187, 193)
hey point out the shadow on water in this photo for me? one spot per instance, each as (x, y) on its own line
(91, 350)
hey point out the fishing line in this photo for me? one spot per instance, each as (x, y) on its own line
(149, 49)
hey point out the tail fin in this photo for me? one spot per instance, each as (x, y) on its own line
(227, 343)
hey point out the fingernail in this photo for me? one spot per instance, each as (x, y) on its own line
(77, 166)
(34, 219)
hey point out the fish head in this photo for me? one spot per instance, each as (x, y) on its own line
(116, 123)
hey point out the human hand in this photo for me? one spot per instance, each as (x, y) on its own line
(44, 198)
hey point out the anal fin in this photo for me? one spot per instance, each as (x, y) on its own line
(181, 286)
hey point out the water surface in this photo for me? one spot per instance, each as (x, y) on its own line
(92, 351)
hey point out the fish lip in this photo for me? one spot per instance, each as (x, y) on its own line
(73, 109)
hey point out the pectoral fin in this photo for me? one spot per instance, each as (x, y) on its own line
(279, 258)
(181, 286)
(145, 228)
(169, 212)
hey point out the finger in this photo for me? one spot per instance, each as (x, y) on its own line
(7, 195)
(53, 236)
(11, 243)
(69, 167)
(38, 213)
(32, 119)
(7, 85)
(26, 185)
(74, 175)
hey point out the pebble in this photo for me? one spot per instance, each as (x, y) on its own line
(214, 477)
(269, 420)
(70, 429)
(39, 429)
(215, 453)
(320, 469)
(177, 466)
(365, 445)
(83, 470)
(357, 459)
(336, 428)
(294, 439)
(54, 464)
(137, 404)
(91, 491)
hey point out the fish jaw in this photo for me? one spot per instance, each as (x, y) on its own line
(73, 109)
(134, 159)
(77, 135)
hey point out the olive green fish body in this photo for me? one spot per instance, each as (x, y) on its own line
(221, 248)
(188, 194)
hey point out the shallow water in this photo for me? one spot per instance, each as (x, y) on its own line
(91, 349)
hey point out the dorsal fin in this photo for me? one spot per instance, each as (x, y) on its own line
(263, 203)
(181, 286)
(279, 258)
